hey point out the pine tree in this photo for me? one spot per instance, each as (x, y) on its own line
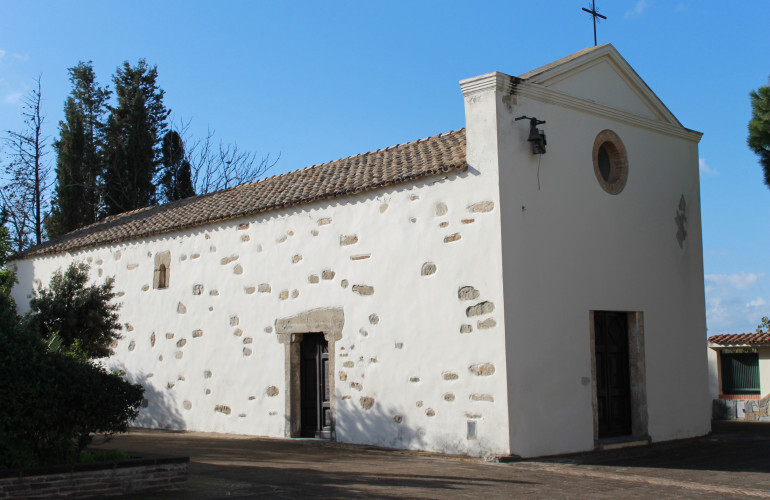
(134, 131)
(759, 128)
(80, 161)
(176, 182)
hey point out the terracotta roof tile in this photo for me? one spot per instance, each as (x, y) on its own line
(740, 338)
(355, 174)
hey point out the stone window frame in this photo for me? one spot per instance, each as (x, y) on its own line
(618, 156)
(162, 270)
(637, 376)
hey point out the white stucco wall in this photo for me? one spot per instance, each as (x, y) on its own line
(407, 361)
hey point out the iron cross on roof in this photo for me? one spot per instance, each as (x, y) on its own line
(594, 13)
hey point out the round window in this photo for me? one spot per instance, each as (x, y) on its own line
(610, 162)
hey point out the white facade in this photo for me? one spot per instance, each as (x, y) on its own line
(533, 241)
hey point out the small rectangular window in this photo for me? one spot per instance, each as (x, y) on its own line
(740, 372)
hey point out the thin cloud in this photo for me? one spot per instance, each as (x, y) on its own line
(638, 9)
(740, 281)
(758, 302)
(734, 302)
(705, 169)
(13, 98)
(2, 55)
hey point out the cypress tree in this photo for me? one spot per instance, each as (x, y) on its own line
(176, 182)
(80, 146)
(134, 130)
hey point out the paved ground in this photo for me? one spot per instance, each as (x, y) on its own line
(733, 462)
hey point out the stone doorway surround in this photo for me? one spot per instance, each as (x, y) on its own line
(637, 377)
(326, 320)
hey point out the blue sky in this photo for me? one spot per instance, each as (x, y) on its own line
(317, 81)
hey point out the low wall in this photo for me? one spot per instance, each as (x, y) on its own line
(96, 479)
(742, 409)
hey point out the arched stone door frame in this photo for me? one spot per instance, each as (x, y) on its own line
(326, 320)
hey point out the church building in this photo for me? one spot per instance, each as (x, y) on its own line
(531, 284)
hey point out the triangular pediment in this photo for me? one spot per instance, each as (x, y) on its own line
(601, 75)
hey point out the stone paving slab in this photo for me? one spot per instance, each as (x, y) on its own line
(734, 462)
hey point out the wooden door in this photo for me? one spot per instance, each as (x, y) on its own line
(314, 386)
(612, 373)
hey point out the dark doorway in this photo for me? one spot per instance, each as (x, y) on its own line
(314, 386)
(612, 373)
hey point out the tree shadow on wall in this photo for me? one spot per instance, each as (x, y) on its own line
(158, 409)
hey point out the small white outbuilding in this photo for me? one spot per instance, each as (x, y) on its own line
(511, 288)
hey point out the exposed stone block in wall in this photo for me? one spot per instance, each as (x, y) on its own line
(121, 293)
(430, 412)
(272, 391)
(243, 226)
(374, 319)
(132, 346)
(467, 221)
(313, 278)
(145, 288)
(347, 396)
(348, 364)
(485, 307)
(294, 293)
(466, 328)
(363, 332)
(131, 267)
(99, 262)
(213, 248)
(291, 233)
(207, 392)
(363, 289)
(234, 321)
(160, 358)
(248, 340)
(448, 396)
(250, 289)
(383, 207)
(129, 328)
(252, 398)
(214, 293)
(169, 336)
(486, 324)
(467, 293)
(227, 260)
(314, 232)
(414, 197)
(348, 239)
(150, 375)
(187, 405)
(325, 221)
(171, 385)
(482, 369)
(181, 309)
(413, 220)
(179, 355)
(414, 379)
(268, 329)
(366, 402)
(118, 255)
(283, 295)
(444, 224)
(482, 397)
(181, 378)
(245, 238)
(344, 283)
(398, 345)
(398, 419)
(207, 374)
(223, 409)
(152, 339)
(238, 269)
(472, 415)
(181, 343)
(372, 360)
(246, 351)
(452, 237)
(450, 376)
(237, 332)
(195, 256)
(327, 274)
(264, 288)
(441, 209)
(197, 289)
(357, 386)
(362, 256)
(282, 239)
(419, 404)
(207, 236)
(428, 268)
(100, 272)
(296, 259)
(197, 333)
(481, 207)
(343, 376)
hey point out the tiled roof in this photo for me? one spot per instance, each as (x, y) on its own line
(355, 174)
(740, 338)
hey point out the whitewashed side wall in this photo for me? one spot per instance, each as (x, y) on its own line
(207, 353)
(570, 248)
(764, 371)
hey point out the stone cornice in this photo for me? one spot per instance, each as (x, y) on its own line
(490, 81)
(551, 96)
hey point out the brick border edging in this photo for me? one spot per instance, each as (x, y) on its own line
(146, 473)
